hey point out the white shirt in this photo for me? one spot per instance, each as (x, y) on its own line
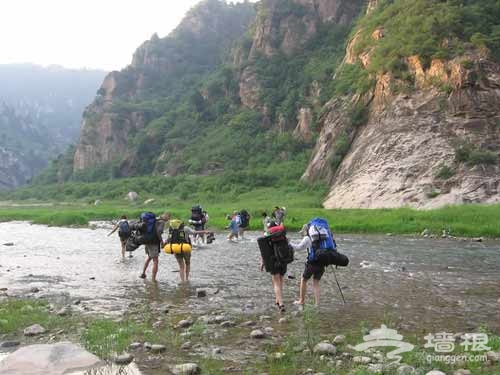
(305, 244)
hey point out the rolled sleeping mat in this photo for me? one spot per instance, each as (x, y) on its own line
(267, 252)
(177, 248)
(132, 244)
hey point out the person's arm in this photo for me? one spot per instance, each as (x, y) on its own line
(114, 229)
(303, 245)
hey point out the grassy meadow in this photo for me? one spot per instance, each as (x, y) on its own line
(302, 204)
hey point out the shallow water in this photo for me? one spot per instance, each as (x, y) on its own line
(417, 285)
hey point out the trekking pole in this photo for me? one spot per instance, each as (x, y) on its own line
(340, 289)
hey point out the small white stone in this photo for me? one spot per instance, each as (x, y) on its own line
(35, 329)
(362, 360)
(186, 369)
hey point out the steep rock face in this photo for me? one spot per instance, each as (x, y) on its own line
(159, 65)
(285, 26)
(396, 157)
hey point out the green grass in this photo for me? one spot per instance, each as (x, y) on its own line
(16, 315)
(465, 220)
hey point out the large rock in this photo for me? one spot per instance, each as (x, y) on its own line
(54, 359)
(435, 372)
(257, 334)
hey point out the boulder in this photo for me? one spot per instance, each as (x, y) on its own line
(54, 359)
(34, 330)
(325, 348)
(435, 372)
(186, 369)
(462, 372)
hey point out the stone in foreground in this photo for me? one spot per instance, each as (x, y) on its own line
(54, 359)
(186, 369)
(257, 334)
(325, 348)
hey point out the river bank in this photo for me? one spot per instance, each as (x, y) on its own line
(157, 340)
(458, 221)
(79, 289)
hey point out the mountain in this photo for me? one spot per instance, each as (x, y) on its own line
(40, 112)
(389, 103)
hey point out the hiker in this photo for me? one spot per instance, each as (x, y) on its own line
(234, 226)
(265, 221)
(198, 221)
(279, 214)
(321, 252)
(178, 234)
(275, 256)
(124, 232)
(244, 224)
(153, 230)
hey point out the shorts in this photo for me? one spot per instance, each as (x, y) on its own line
(152, 250)
(313, 270)
(184, 256)
(278, 269)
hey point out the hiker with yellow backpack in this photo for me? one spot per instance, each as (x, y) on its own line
(179, 244)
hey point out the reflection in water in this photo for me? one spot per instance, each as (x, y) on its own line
(424, 284)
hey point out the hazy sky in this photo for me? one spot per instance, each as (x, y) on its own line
(83, 33)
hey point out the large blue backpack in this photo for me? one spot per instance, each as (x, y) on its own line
(148, 228)
(324, 248)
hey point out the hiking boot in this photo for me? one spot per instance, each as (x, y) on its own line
(142, 275)
(282, 309)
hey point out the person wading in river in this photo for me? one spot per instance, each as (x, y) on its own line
(153, 248)
(178, 233)
(124, 232)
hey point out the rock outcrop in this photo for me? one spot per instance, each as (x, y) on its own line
(195, 48)
(395, 158)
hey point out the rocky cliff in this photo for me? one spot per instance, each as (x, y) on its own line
(398, 105)
(160, 67)
(428, 139)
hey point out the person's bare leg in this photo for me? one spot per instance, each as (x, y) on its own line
(302, 292)
(155, 268)
(316, 291)
(123, 249)
(187, 269)
(146, 264)
(180, 262)
(278, 288)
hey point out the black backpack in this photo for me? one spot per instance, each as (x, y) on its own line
(124, 229)
(245, 218)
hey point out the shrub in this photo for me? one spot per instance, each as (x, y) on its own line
(445, 172)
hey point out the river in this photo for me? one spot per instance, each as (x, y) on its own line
(415, 284)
